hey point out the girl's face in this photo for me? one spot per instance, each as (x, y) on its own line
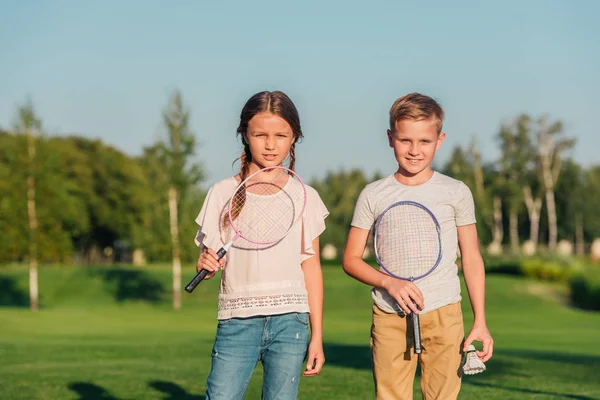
(270, 138)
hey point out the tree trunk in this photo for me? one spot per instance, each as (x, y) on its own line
(579, 234)
(33, 224)
(552, 228)
(513, 223)
(175, 241)
(533, 208)
(498, 232)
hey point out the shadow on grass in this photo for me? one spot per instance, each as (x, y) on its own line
(563, 358)
(11, 294)
(348, 355)
(126, 284)
(89, 391)
(173, 391)
(532, 391)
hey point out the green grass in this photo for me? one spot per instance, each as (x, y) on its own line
(110, 334)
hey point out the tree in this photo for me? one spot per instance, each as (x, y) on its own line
(516, 158)
(550, 146)
(28, 124)
(339, 191)
(175, 154)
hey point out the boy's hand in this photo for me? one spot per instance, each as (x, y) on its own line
(405, 293)
(208, 261)
(316, 358)
(481, 333)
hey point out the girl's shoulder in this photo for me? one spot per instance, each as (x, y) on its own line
(225, 187)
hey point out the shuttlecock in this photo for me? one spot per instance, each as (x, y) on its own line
(473, 365)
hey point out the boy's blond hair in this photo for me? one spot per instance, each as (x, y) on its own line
(416, 107)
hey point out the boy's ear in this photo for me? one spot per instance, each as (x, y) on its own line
(440, 140)
(390, 136)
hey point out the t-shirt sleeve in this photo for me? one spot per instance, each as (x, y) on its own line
(464, 213)
(364, 216)
(209, 221)
(313, 222)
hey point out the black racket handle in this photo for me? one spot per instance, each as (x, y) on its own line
(202, 273)
(417, 331)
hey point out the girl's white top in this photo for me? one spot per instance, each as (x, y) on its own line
(258, 279)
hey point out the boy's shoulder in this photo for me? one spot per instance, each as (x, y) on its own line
(442, 179)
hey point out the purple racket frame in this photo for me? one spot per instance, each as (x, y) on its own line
(223, 250)
(415, 317)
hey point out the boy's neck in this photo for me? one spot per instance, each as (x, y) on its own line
(408, 179)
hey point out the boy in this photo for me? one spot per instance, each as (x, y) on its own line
(416, 134)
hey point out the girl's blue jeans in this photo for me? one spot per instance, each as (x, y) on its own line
(279, 341)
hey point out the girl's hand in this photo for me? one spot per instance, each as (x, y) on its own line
(316, 358)
(208, 261)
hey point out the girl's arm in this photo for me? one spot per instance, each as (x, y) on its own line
(474, 272)
(404, 292)
(313, 279)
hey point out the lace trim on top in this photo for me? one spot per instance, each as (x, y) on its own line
(261, 302)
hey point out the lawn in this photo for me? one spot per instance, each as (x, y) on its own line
(109, 333)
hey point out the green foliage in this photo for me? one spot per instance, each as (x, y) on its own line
(546, 270)
(544, 267)
(585, 288)
(339, 191)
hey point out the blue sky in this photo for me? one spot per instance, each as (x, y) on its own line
(106, 69)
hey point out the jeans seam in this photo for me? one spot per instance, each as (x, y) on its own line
(246, 384)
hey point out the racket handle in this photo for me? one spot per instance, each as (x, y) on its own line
(196, 280)
(203, 272)
(417, 332)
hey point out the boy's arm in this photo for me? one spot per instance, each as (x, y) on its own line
(474, 272)
(402, 291)
(313, 279)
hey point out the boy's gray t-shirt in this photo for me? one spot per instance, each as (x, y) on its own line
(452, 204)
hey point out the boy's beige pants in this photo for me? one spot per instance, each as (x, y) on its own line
(394, 360)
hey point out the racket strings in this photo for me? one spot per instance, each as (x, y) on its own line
(269, 209)
(407, 241)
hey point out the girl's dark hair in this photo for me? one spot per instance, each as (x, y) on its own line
(277, 103)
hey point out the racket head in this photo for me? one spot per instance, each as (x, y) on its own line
(266, 205)
(407, 240)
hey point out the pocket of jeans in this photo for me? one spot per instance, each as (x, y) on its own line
(451, 310)
(302, 318)
(222, 322)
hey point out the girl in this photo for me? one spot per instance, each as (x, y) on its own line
(267, 297)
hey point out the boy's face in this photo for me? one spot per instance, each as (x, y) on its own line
(415, 144)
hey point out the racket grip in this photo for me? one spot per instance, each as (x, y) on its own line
(196, 280)
(203, 272)
(417, 332)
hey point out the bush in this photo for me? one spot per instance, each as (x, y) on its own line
(585, 289)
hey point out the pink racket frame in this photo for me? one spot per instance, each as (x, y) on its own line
(292, 174)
